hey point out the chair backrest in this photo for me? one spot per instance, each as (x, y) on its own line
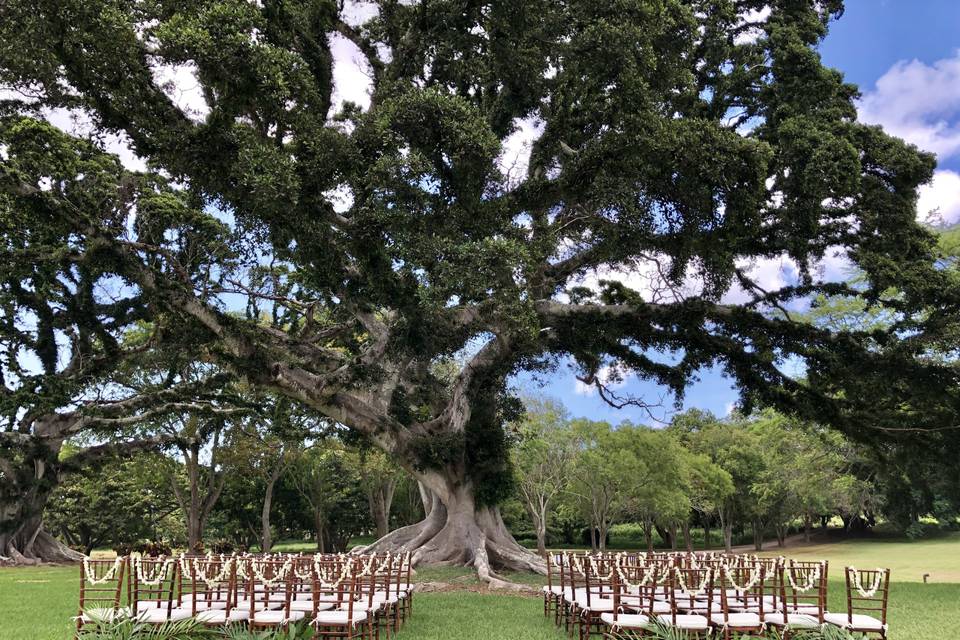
(741, 587)
(867, 592)
(211, 582)
(153, 582)
(269, 584)
(634, 585)
(101, 583)
(686, 586)
(803, 588)
(335, 575)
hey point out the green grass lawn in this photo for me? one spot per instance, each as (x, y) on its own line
(907, 560)
(37, 603)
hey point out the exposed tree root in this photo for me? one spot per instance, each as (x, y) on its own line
(38, 548)
(466, 537)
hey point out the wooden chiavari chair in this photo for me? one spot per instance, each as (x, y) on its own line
(101, 585)
(212, 595)
(800, 607)
(572, 585)
(741, 603)
(346, 620)
(687, 611)
(553, 590)
(868, 591)
(597, 595)
(270, 590)
(633, 588)
(154, 581)
(386, 592)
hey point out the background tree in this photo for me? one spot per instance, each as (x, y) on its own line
(115, 503)
(542, 460)
(327, 477)
(395, 236)
(379, 479)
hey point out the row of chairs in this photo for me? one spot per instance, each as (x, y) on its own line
(630, 594)
(341, 596)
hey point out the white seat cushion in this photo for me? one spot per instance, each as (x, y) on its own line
(555, 589)
(277, 617)
(738, 620)
(794, 620)
(595, 604)
(626, 621)
(307, 607)
(259, 605)
(860, 622)
(219, 616)
(159, 616)
(808, 609)
(203, 605)
(690, 621)
(340, 618)
(383, 597)
(143, 605)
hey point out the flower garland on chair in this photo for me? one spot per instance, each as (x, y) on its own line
(325, 576)
(700, 590)
(750, 584)
(160, 571)
(90, 575)
(813, 577)
(257, 567)
(872, 591)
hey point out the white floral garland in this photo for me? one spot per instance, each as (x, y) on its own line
(647, 576)
(257, 568)
(751, 583)
(324, 575)
(592, 561)
(813, 578)
(225, 561)
(159, 574)
(91, 575)
(700, 590)
(872, 591)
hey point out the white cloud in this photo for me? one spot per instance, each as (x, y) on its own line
(919, 103)
(756, 18)
(515, 156)
(940, 199)
(352, 77)
(180, 84)
(611, 376)
(79, 123)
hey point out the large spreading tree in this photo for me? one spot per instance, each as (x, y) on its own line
(672, 145)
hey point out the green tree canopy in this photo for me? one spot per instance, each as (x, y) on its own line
(678, 141)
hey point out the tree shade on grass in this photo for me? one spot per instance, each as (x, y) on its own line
(37, 603)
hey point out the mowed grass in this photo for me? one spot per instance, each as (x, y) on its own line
(907, 560)
(38, 603)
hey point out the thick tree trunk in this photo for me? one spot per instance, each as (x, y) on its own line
(540, 524)
(687, 538)
(318, 526)
(460, 532)
(807, 524)
(380, 499)
(706, 537)
(757, 536)
(266, 534)
(728, 537)
(24, 491)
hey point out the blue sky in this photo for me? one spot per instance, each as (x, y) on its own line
(905, 56)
